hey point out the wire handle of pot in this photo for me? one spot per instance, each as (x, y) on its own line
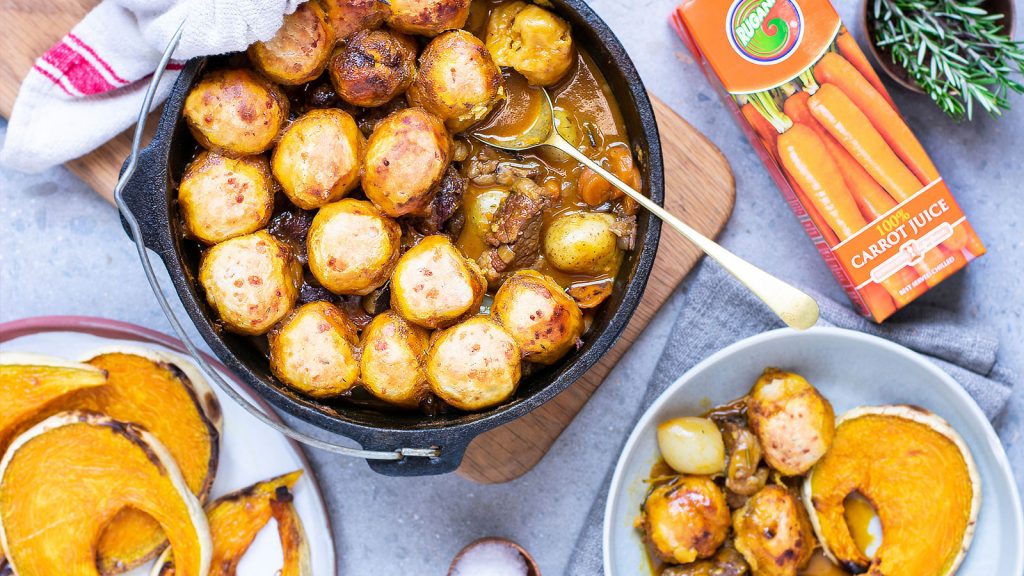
(165, 305)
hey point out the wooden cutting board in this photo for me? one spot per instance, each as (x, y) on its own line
(699, 189)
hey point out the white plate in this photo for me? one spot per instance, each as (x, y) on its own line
(851, 369)
(249, 452)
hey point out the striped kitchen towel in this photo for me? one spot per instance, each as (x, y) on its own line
(88, 87)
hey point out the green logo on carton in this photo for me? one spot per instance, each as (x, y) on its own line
(764, 31)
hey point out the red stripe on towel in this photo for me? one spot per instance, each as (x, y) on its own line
(53, 79)
(93, 53)
(78, 71)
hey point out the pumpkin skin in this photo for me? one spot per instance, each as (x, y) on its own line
(294, 546)
(90, 467)
(920, 477)
(236, 518)
(165, 395)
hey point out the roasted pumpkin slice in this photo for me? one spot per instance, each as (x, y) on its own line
(65, 478)
(28, 382)
(919, 476)
(167, 396)
(294, 545)
(235, 520)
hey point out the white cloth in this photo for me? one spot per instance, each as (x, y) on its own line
(89, 86)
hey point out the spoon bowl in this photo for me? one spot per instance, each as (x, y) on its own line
(526, 120)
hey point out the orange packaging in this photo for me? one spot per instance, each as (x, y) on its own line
(851, 169)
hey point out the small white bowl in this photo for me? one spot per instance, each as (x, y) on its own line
(851, 369)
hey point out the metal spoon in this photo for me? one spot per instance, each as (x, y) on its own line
(794, 307)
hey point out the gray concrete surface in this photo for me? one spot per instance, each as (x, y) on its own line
(62, 252)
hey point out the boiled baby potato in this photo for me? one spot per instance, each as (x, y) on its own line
(352, 247)
(373, 67)
(299, 50)
(406, 157)
(685, 519)
(774, 533)
(350, 16)
(474, 365)
(540, 316)
(434, 285)
(319, 158)
(692, 445)
(314, 350)
(458, 80)
(235, 112)
(531, 40)
(394, 351)
(428, 17)
(251, 281)
(793, 422)
(222, 197)
(582, 243)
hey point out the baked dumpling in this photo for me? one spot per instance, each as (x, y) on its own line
(222, 197)
(235, 112)
(313, 350)
(320, 158)
(406, 157)
(474, 365)
(352, 247)
(251, 281)
(299, 50)
(458, 80)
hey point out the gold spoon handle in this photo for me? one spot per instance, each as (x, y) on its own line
(794, 307)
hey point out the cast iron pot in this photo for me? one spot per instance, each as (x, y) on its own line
(150, 196)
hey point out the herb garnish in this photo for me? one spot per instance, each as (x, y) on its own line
(953, 49)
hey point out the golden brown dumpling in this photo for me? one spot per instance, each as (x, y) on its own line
(793, 422)
(532, 40)
(394, 351)
(458, 80)
(222, 197)
(428, 17)
(373, 67)
(774, 533)
(352, 247)
(543, 319)
(251, 281)
(314, 350)
(685, 519)
(434, 285)
(350, 16)
(320, 157)
(406, 157)
(235, 112)
(474, 365)
(299, 50)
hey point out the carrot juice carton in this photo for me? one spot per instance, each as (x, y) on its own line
(861, 184)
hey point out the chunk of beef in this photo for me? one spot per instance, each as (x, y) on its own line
(446, 203)
(515, 232)
(525, 203)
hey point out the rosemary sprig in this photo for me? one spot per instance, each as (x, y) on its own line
(954, 50)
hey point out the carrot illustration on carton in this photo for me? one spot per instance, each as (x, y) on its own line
(861, 183)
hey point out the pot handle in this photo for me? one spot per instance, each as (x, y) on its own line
(130, 197)
(134, 198)
(446, 458)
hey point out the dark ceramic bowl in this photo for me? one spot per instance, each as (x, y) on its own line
(897, 72)
(150, 196)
